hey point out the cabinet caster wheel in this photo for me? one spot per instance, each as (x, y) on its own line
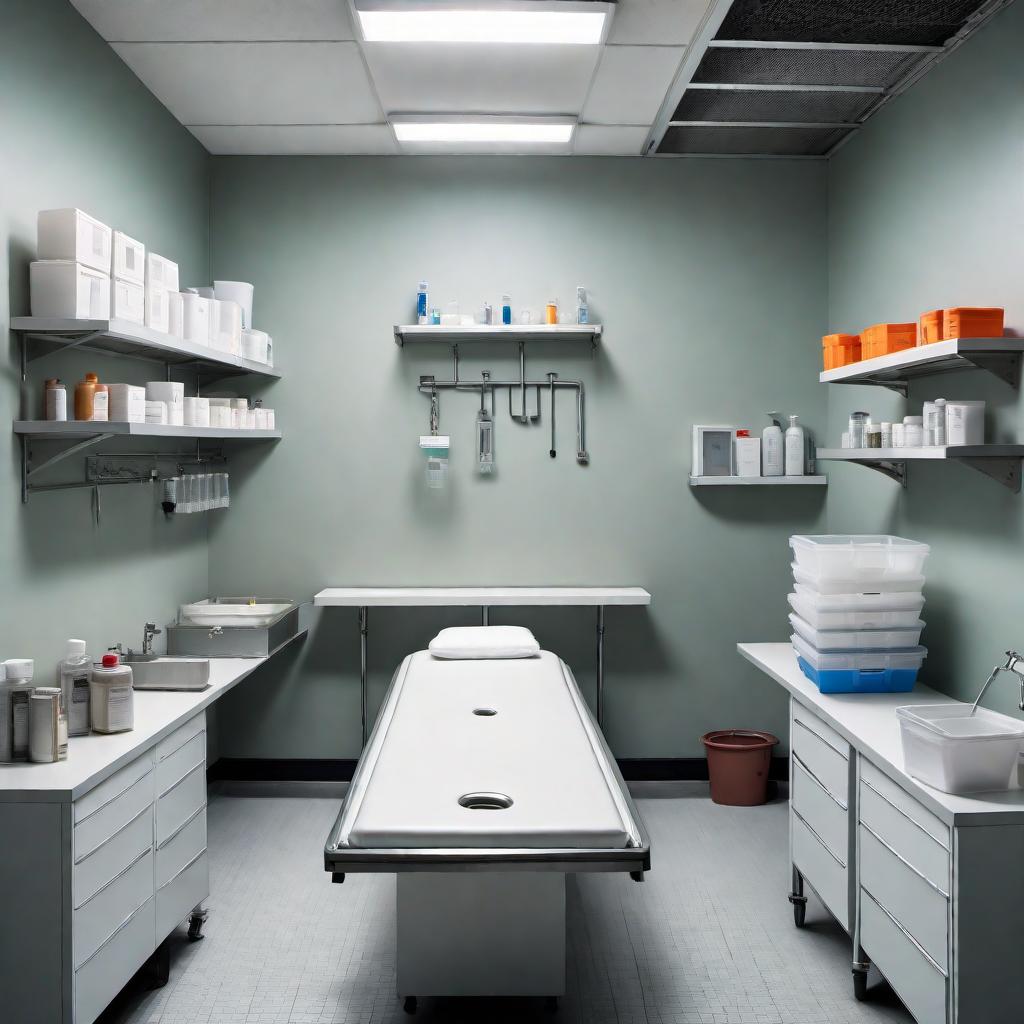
(799, 910)
(860, 986)
(409, 1004)
(195, 927)
(551, 1004)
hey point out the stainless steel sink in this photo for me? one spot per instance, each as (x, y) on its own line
(169, 673)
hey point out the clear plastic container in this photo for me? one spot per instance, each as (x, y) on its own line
(947, 747)
(856, 611)
(858, 639)
(866, 556)
(866, 585)
(859, 671)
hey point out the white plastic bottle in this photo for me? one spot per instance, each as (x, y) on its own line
(19, 672)
(74, 673)
(771, 448)
(111, 707)
(796, 448)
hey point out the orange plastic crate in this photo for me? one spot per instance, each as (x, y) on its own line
(881, 339)
(840, 350)
(931, 327)
(972, 322)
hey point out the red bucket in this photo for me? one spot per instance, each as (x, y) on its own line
(738, 763)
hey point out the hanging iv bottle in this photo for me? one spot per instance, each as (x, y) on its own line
(435, 447)
(485, 441)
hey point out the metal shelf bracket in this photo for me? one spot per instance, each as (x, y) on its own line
(1004, 471)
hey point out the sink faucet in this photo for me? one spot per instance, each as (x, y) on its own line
(147, 638)
(1014, 663)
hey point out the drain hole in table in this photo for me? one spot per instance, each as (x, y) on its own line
(486, 801)
(485, 712)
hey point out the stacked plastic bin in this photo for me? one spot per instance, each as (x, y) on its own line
(856, 612)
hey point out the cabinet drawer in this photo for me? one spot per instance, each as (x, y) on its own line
(181, 848)
(917, 981)
(177, 739)
(101, 915)
(905, 895)
(908, 805)
(107, 820)
(178, 803)
(821, 810)
(118, 783)
(820, 869)
(112, 856)
(180, 762)
(99, 979)
(831, 766)
(181, 894)
(902, 833)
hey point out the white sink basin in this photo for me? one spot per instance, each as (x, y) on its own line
(254, 615)
(170, 674)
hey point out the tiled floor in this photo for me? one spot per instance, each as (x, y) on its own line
(708, 938)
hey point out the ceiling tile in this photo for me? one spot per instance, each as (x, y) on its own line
(256, 83)
(297, 140)
(656, 22)
(495, 78)
(631, 83)
(605, 140)
(235, 20)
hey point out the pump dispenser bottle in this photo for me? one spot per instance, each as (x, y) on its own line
(796, 448)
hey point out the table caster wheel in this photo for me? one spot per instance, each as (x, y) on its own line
(195, 927)
(799, 910)
(860, 986)
(409, 1004)
(551, 1004)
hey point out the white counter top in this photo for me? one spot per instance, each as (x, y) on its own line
(868, 722)
(93, 758)
(424, 597)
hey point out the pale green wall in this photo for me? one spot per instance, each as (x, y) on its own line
(78, 129)
(926, 209)
(710, 279)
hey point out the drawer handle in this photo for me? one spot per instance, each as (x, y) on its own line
(116, 796)
(821, 842)
(910, 938)
(109, 839)
(174, 785)
(110, 938)
(903, 860)
(831, 746)
(171, 753)
(181, 828)
(106, 885)
(901, 811)
(821, 785)
(183, 870)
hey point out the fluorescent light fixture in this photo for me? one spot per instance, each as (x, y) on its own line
(484, 131)
(561, 21)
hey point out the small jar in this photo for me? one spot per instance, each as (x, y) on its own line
(858, 422)
(897, 435)
(56, 400)
(913, 431)
(886, 434)
(873, 436)
(551, 312)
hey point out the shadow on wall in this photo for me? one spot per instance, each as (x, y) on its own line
(763, 506)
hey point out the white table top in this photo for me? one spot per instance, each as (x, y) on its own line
(93, 758)
(868, 722)
(424, 597)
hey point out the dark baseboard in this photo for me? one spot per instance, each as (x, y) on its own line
(279, 769)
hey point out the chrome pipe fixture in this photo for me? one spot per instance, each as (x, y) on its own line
(1014, 663)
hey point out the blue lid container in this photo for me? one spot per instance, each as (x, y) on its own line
(893, 671)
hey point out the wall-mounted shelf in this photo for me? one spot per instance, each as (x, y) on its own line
(758, 481)
(1002, 462)
(417, 333)
(999, 356)
(47, 430)
(122, 338)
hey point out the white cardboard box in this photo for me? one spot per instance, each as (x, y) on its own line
(129, 260)
(127, 403)
(127, 300)
(69, 290)
(161, 272)
(158, 308)
(71, 234)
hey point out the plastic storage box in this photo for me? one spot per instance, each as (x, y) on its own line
(881, 339)
(129, 260)
(840, 350)
(859, 671)
(835, 586)
(973, 322)
(858, 639)
(947, 747)
(127, 300)
(70, 234)
(866, 557)
(161, 272)
(68, 290)
(856, 611)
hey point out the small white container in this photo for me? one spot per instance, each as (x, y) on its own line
(947, 747)
(156, 413)
(158, 308)
(965, 423)
(858, 639)
(833, 585)
(175, 314)
(859, 556)
(127, 300)
(197, 412)
(71, 234)
(271, 418)
(172, 394)
(47, 726)
(856, 611)
(129, 258)
(111, 701)
(254, 345)
(229, 327)
(220, 416)
(68, 290)
(261, 417)
(236, 291)
(913, 431)
(74, 672)
(195, 319)
(748, 456)
(161, 272)
(127, 403)
(898, 435)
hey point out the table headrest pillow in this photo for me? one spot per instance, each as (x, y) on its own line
(465, 643)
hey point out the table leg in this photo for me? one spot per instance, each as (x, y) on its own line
(362, 669)
(600, 664)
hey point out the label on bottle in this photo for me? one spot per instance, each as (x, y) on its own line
(421, 304)
(100, 406)
(76, 701)
(119, 708)
(19, 719)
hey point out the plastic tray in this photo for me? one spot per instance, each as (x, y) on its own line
(859, 671)
(863, 557)
(877, 585)
(856, 611)
(947, 747)
(858, 639)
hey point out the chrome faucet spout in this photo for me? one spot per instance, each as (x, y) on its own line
(1015, 664)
